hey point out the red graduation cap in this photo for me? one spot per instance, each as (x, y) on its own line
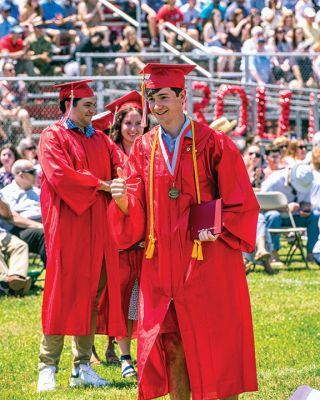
(77, 90)
(131, 99)
(166, 75)
(102, 121)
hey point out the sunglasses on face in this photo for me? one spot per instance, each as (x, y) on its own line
(273, 154)
(283, 147)
(31, 148)
(302, 147)
(31, 171)
(258, 155)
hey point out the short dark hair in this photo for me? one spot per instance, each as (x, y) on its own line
(271, 148)
(151, 92)
(62, 104)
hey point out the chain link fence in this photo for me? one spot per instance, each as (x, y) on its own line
(42, 101)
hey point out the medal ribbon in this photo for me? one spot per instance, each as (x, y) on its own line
(176, 153)
(197, 246)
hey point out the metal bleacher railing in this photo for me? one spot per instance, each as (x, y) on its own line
(42, 100)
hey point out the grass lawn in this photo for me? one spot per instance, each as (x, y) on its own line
(287, 333)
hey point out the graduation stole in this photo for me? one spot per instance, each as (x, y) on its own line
(197, 246)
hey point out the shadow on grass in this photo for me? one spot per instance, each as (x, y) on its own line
(129, 383)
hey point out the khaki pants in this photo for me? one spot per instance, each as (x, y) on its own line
(51, 345)
(18, 253)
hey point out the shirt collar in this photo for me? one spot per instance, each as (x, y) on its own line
(169, 137)
(88, 130)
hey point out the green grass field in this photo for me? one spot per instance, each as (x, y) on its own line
(287, 333)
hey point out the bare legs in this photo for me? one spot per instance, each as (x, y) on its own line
(179, 385)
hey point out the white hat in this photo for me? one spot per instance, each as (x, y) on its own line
(309, 12)
(302, 177)
(256, 30)
(222, 124)
(316, 139)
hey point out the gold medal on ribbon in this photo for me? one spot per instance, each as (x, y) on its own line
(174, 193)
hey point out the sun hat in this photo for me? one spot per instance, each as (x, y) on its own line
(301, 177)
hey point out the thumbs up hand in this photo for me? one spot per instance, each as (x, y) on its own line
(119, 191)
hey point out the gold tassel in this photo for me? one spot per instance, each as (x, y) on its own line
(197, 250)
(200, 253)
(150, 248)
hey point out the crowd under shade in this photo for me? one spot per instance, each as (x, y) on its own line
(166, 75)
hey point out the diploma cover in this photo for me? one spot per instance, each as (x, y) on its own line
(206, 216)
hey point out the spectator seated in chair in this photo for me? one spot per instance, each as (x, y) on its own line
(296, 183)
(24, 199)
(13, 276)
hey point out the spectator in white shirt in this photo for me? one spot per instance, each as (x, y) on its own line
(296, 184)
(24, 199)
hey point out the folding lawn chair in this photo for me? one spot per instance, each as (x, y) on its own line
(278, 201)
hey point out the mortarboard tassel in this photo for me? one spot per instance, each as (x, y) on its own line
(115, 116)
(197, 245)
(152, 240)
(68, 110)
(144, 103)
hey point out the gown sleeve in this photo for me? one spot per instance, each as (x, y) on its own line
(130, 229)
(77, 188)
(240, 206)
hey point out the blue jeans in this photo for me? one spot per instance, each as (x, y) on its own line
(261, 231)
(275, 220)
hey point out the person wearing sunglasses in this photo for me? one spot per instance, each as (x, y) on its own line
(253, 160)
(296, 152)
(273, 159)
(27, 149)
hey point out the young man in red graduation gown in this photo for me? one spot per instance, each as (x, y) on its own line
(77, 162)
(195, 330)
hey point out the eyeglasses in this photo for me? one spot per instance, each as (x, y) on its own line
(283, 147)
(302, 147)
(280, 31)
(273, 153)
(31, 171)
(31, 148)
(258, 155)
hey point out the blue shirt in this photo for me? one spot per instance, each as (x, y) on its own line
(6, 25)
(278, 182)
(88, 130)
(169, 141)
(263, 66)
(50, 10)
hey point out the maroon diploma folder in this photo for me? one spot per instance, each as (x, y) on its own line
(206, 216)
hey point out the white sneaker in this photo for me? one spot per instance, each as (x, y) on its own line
(84, 375)
(47, 379)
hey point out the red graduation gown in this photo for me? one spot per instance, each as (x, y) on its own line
(211, 296)
(76, 231)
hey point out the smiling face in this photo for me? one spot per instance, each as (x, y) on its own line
(83, 112)
(166, 106)
(7, 158)
(131, 126)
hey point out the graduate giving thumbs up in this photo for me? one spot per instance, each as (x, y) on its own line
(119, 191)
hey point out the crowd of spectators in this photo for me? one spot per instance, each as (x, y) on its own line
(285, 165)
(33, 31)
